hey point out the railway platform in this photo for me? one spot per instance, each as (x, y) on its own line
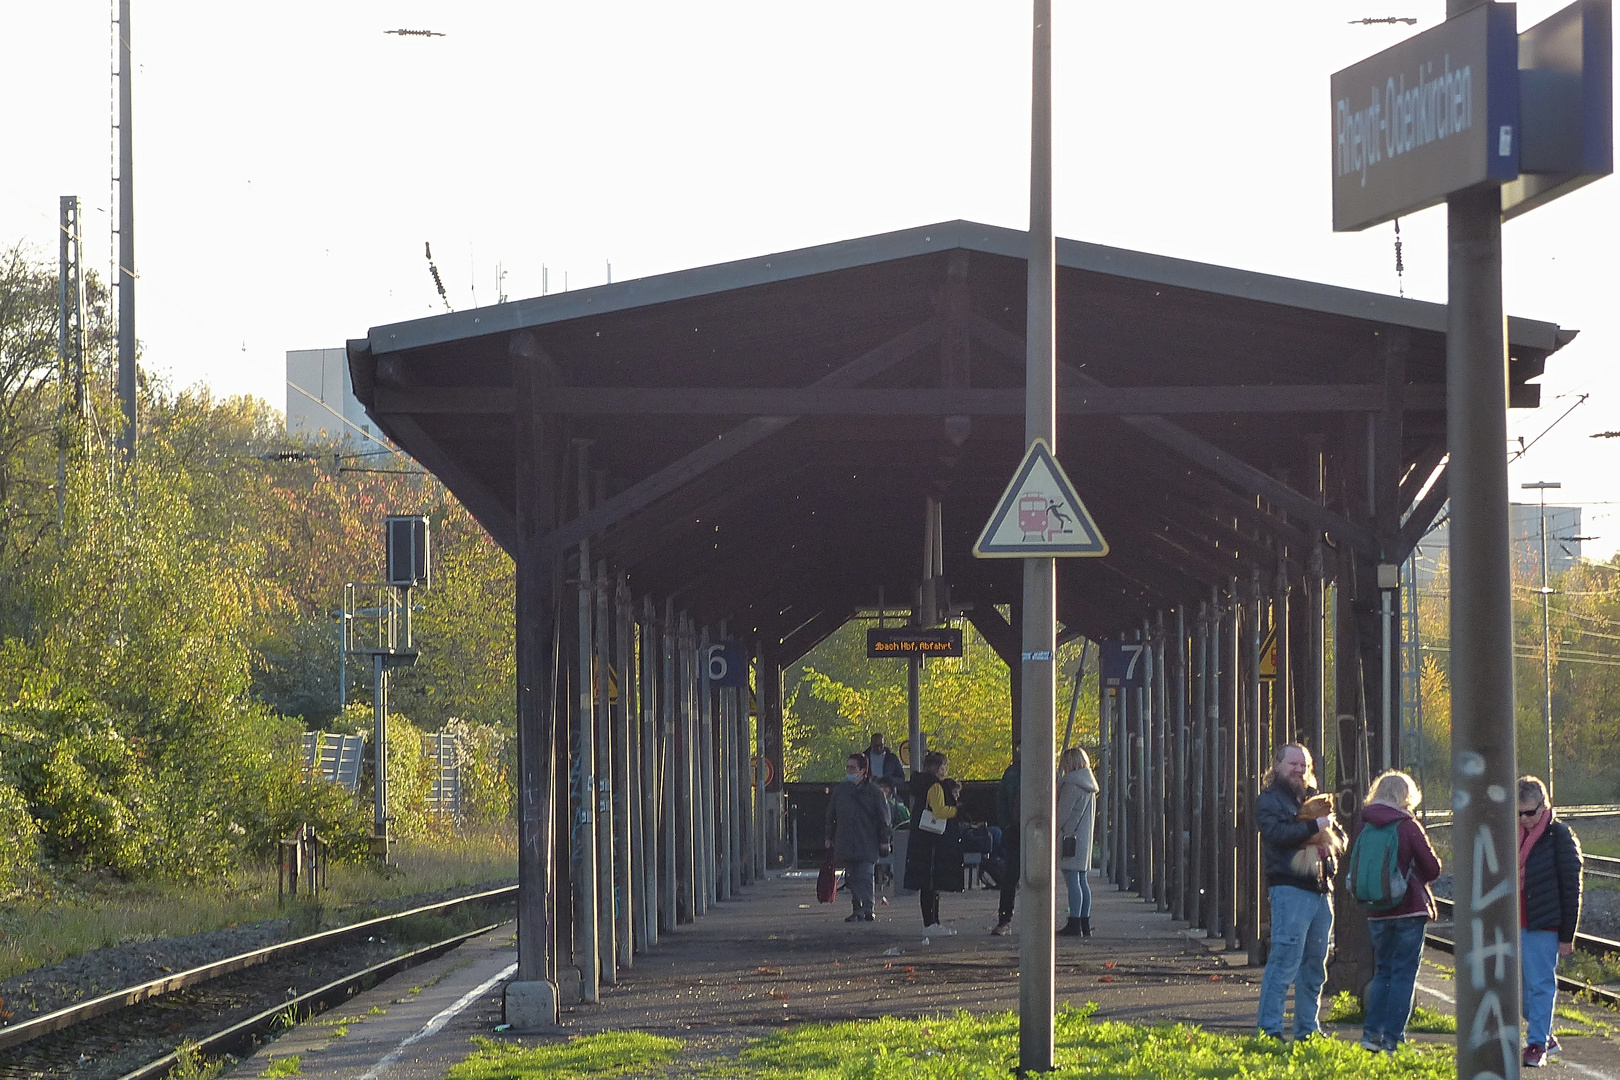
(775, 957)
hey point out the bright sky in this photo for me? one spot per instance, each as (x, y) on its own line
(291, 160)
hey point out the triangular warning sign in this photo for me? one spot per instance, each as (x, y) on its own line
(1268, 655)
(1039, 515)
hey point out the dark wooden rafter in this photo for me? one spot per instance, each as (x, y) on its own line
(1199, 450)
(951, 400)
(684, 470)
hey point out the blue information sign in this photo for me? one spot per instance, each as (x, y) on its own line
(1124, 663)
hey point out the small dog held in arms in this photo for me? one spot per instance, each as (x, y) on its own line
(1307, 861)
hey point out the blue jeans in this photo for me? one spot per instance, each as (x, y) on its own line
(1301, 927)
(1397, 949)
(1079, 893)
(1538, 973)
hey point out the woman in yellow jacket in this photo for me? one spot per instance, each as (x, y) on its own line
(933, 860)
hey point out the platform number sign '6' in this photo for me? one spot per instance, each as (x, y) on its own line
(1124, 663)
(727, 664)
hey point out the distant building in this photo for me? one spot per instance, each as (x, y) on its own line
(321, 402)
(1524, 527)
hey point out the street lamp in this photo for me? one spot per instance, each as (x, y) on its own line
(1541, 487)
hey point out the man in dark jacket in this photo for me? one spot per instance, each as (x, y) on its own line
(1549, 911)
(883, 763)
(858, 831)
(1301, 907)
(1008, 800)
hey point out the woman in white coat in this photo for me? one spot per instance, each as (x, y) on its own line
(1076, 818)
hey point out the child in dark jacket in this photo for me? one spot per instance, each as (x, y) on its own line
(1397, 934)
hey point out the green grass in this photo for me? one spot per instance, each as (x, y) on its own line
(1346, 1008)
(960, 1047)
(192, 1066)
(1590, 968)
(617, 1053)
(78, 914)
(291, 1065)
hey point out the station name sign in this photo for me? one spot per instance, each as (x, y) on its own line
(907, 642)
(1436, 114)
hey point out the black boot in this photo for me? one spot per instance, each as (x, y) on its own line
(1085, 925)
(1072, 928)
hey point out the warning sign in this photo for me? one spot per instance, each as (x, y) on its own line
(1040, 516)
(1268, 655)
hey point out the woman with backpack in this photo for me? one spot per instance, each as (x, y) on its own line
(1076, 821)
(1391, 866)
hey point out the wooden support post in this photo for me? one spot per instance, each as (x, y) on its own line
(1213, 756)
(626, 805)
(1282, 687)
(679, 799)
(1198, 841)
(536, 628)
(653, 780)
(602, 717)
(1156, 759)
(1231, 790)
(1253, 766)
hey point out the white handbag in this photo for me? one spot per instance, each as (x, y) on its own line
(929, 823)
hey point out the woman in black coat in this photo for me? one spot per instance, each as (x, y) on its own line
(1549, 912)
(933, 860)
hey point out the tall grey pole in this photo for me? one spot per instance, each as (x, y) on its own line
(126, 241)
(1483, 756)
(1036, 952)
(379, 705)
(672, 788)
(651, 784)
(1541, 487)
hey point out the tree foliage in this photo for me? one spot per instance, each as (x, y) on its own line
(166, 627)
(837, 698)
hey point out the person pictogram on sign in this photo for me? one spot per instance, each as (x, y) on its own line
(1036, 514)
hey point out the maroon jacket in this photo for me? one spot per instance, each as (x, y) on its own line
(1415, 856)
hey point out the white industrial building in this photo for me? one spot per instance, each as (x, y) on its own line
(321, 402)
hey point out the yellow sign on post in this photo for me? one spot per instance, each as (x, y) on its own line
(1268, 655)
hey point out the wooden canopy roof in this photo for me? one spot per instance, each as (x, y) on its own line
(768, 429)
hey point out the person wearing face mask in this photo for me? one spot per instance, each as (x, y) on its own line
(858, 831)
(1549, 911)
(1301, 907)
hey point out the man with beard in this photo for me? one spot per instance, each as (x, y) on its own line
(1301, 907)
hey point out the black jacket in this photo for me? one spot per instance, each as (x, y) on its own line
(1552, 882)
(933, 861)
(1281, 835)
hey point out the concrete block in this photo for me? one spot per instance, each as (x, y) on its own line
(531, 1007)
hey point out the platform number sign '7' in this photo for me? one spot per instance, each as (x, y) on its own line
(727, 664)
(1124, 663)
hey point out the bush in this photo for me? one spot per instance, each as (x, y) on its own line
(488, 769)
(19, 855)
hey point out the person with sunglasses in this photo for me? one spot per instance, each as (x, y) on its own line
(1549, 911)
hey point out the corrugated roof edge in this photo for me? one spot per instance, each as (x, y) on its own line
(943, 236)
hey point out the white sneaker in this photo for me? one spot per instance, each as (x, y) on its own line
(941, 929)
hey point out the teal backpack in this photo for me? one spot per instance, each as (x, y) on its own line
(1376, 881)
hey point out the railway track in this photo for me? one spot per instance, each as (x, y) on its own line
(229, 1005)
(1599, 946)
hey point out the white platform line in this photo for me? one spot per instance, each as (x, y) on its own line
(435, 1025)
(1447, 998)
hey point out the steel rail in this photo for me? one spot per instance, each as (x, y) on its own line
(30, 1029)
(1589, 943)
(248, 1031)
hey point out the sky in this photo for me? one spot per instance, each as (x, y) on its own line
(291, 161)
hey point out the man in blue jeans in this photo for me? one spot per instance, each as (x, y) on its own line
(1301, 907)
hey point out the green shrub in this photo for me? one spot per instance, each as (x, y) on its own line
(19, 855)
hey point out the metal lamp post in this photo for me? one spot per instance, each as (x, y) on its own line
(1541, 487)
